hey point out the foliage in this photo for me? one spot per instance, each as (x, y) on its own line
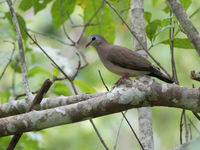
(78, 12)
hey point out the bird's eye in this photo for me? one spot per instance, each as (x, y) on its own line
(93, 38)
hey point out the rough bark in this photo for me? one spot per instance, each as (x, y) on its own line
(145, 113)
(186, 24)
(20, 106)
(130, 95)
(21, 51)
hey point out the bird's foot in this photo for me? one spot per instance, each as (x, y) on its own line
(125, 76)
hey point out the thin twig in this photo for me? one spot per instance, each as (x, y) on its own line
(123, 114)
(190, 130)
(9, 61)
(134, 34)
(181, 127)
(186, 127)
(89, 21)
(132, 130)
(196, 115)
(63, 23)
(194, 126)
(21, 49)
(171, 37)
(117, 137)
(71, 79)
(23, 94)
(97, 132)
(51, 37)
(36, 43)
(103, 81)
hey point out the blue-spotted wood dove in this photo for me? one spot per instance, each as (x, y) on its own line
(123, 61)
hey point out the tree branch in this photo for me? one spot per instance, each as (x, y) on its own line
(38, 98)
(131, 95)
(21, 49)
(18, 107)
(145, 113)
(186, 24)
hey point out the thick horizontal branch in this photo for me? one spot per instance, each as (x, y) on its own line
(188, 27)
(195, 75)
(15, 107)
(130, 95)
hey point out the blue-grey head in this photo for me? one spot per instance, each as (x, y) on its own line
(95, 40)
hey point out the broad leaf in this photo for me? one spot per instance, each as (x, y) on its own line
(4, 96)
(147, 16)
(84, 87)
(15, 64)
(154, 2)
(26, 4)
(186, 3)
(38, 70)
(106, 27)
(61, 11)
(151, 29)
(179, 43)
(123, 7)
(40, 5)
(56, 72)
(20, 20)
(61, 88)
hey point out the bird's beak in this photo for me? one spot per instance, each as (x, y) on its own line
(88, 44)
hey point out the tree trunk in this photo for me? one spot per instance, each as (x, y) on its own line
(144, 113)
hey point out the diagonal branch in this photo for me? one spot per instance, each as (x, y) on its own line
(135, 36)
(9, 60)
(189, 29)
(21, 50)
(38, 98)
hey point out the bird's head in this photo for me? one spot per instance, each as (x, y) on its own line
(95, 40)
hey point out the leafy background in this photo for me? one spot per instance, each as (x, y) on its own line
(44, 16)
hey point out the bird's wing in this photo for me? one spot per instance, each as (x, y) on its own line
(127, 58)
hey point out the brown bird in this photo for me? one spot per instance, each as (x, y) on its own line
(123, 61)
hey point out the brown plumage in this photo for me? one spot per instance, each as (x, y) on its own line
(121, 60)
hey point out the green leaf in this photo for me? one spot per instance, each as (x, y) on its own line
(61, 88)
(151, 29)
(4, 96)
(67, 8)
(180, 43)
(166, 9)
(26, 4)
(186, 3)
(84, 87)
(56, 72)
(195, 12)
(40, 5)
(147, 16)
(165, 22)
(154, 2)
(21, 20)
(106, 27)
(15, 64)
(37, 70)
(123, 7)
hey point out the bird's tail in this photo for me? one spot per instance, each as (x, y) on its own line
(156, 73)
